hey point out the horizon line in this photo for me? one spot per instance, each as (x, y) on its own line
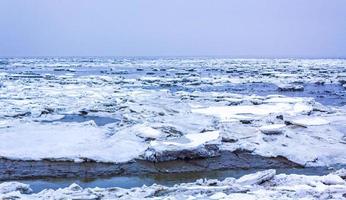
(177, 56)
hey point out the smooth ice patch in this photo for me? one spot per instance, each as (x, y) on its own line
(35, 141)
(309, 121)
(233, 113)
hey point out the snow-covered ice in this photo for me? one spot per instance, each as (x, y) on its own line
(72, 141)
(272, 129)
(125, 110)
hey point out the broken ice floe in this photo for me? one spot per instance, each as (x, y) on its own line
(109, 111)
(34, 141)
(201, 129)
(290, 87)
(189, 146)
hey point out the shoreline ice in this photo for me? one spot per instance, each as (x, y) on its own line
(260, 185)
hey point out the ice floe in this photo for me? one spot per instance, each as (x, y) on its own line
(239, 112)
(35, 141)
(290, 87)
(309, 121)
(272, 129)
(157, 122)
(192, 145)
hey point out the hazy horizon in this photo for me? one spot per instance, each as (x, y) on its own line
(179, 56)
(196, 28)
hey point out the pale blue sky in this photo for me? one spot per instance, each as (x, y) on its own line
(242, 28)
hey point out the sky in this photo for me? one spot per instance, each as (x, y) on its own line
(233, 28)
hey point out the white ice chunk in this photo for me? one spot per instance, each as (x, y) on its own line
(8, 187)
(256, 178)
(189, 141)
(309, 121)
(146, 131)
(272, 129)
(231, 113)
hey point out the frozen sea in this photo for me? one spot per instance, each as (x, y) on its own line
(182, 117)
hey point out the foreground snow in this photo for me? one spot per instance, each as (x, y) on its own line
(261, 185)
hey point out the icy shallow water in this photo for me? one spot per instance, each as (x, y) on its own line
(268, 184)
(38, 185)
